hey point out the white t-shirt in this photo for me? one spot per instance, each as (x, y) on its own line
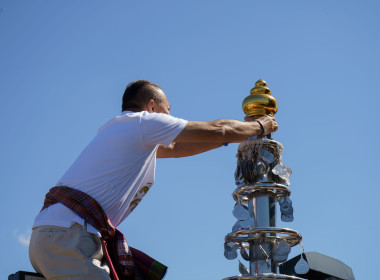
(117, 168)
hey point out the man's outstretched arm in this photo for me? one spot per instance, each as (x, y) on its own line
(185, 149)
(198, 137)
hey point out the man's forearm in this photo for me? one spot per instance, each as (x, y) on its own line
(237, 131)
(219, 131)
(177, 150)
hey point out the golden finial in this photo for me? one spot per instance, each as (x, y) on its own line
(260, 102)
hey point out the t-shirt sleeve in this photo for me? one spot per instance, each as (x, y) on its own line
(160, 129)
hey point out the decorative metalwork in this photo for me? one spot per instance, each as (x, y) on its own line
(262, 180)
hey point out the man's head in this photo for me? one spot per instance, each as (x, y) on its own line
(142, 95)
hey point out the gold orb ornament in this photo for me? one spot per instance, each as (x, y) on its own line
(260, 102)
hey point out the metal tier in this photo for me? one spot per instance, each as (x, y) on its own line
(293, 237)
(262, 188)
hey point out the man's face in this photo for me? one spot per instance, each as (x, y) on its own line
(164, 106)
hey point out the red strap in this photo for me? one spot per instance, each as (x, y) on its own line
(109, 262)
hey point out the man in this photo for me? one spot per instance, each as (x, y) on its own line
(114, 172)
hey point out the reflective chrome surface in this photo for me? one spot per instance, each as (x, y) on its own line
(263, 209)
(273, 189)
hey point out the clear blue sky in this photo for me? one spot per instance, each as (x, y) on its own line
(64, 66)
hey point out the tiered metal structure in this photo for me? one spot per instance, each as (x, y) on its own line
(262, 180)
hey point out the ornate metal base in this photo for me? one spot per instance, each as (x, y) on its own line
(263, 277)
(262, 180)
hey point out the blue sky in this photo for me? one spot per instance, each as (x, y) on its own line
(65, 64)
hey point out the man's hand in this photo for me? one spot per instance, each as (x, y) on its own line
(269, 123)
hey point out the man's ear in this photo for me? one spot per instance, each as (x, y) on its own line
(150, 106)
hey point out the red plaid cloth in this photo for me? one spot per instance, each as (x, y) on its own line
(125, 262)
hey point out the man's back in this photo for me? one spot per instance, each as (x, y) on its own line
(117, 166)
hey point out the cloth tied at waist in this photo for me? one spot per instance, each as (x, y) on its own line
(124, 262)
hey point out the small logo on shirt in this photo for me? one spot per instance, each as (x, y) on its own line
(139, 196)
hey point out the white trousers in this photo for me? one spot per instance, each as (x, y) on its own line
(67, 253)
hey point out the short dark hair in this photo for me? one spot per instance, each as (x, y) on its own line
(138, 93)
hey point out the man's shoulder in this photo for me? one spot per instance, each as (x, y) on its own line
(126, 117)
(144, 119)
(159, 117)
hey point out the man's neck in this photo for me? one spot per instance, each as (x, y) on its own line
(133, 109)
